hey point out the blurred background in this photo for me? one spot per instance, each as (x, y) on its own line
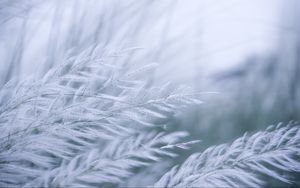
(246, 51)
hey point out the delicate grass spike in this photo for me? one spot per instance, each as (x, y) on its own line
(89, 122)
(109, 164)
(243, 163)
